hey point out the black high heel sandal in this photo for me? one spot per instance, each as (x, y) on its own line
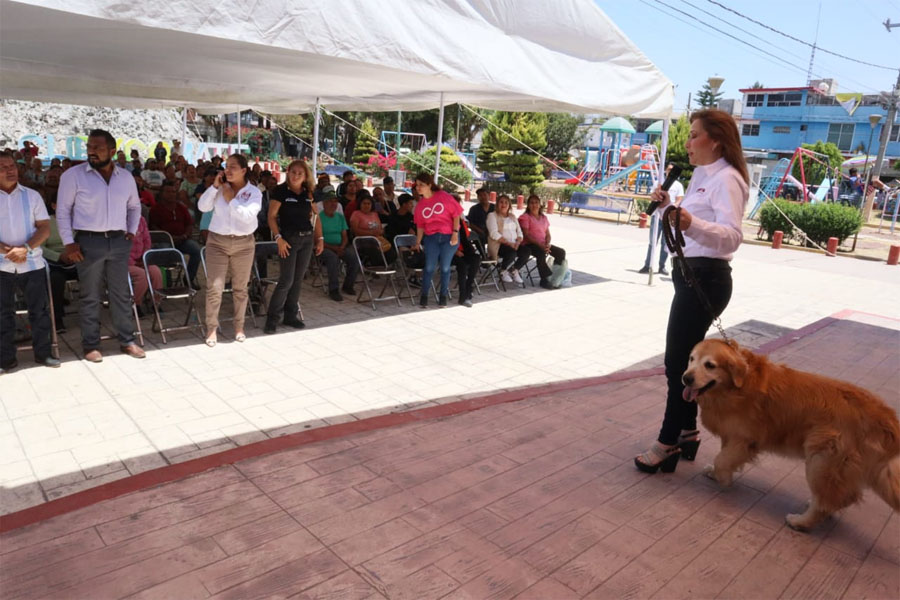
(689, 443)
(666, 465)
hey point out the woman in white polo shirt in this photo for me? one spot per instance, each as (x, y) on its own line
(711, 215)
(234, 202)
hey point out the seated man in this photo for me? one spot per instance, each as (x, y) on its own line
(61, 270)
(174, 217)
(322, 181)
(153, 175)
(403, 221)
(337, 247)
(24, 227)
(477, 216)
(346, 178)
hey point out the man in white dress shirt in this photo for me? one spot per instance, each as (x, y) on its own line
(24, 226)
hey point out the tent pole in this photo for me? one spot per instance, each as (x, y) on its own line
(440, 139)
(184, 130)
(656, 223)
(239, 130)
(399, 115)
(315, 148)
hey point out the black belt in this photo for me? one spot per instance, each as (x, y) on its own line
(295, 233)
(704, 262)
(104, 234)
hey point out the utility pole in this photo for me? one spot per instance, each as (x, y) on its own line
(890, 103)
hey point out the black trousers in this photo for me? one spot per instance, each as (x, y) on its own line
(286, 298)
(466, 271)
(34, 285)
(688, 323)
(526, 250)
(59, 275)
(105, 264)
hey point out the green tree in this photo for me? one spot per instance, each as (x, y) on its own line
(448, 156)
(561, 134)
(707, 98)
(757, 86)
(365, 143)
(675, 151)
(815, 171)
(521, 166)
(484, 158)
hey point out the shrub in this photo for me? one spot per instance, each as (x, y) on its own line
(641, 205)
(819, 221)
(456, 173)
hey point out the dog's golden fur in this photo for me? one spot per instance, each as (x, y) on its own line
(849, 438)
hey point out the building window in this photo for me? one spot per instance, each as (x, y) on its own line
(781, 129)
(755, 99)
(841, 135)
(750, 129)
(787, 99)
(895, 133)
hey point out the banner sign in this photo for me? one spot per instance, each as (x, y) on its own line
(74, 146)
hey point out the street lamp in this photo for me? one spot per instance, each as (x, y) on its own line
(867, 208)
(715, 83)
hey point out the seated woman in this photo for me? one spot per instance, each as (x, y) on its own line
(504, 240)
(467, 260)
(365, 221)
(536, 230)
(139, 245)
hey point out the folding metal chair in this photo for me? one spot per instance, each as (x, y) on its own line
(373, 262)
(161, 239)
(138, 332)
(490, 267)
(169, 258)
(54, 339)
(404, 244)
(228, 289)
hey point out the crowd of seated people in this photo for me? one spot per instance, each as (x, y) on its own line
(170, 191)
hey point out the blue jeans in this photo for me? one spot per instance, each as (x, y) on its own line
(437, 248)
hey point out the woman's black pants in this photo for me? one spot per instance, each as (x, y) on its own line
(688, 323)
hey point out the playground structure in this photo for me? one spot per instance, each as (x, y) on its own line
(774, 185)
(417, 142)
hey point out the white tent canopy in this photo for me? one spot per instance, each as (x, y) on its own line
(278, 56)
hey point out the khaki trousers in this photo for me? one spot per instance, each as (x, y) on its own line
(227, 254)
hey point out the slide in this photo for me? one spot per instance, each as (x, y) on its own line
(619, 176)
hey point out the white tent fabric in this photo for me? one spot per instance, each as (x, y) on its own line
(278, 56)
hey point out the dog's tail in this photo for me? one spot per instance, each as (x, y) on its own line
(886, 483)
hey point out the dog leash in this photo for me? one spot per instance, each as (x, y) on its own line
(675, 242)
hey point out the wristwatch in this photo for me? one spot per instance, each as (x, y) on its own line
(277, 236)
(30, 250)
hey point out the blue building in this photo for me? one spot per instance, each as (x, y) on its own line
(778, 120)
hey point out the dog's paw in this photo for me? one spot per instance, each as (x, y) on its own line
(797, 523)
(710, 472)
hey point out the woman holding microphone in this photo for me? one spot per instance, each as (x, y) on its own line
(437, 231)
(234, 203)
(711, 214)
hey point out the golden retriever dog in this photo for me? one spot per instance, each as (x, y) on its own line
(849, 438)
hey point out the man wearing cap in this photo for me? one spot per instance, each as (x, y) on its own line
(98, 211)
(337, 248)
(24, 226)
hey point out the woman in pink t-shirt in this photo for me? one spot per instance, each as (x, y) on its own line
(536, 230)
(437, 231)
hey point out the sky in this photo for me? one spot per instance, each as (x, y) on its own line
(688, 52)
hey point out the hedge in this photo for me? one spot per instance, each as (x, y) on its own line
(820, 220)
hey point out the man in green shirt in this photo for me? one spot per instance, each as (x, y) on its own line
(337, 247)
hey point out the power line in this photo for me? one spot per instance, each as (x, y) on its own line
(796, 39)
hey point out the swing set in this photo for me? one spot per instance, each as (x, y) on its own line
(832, 174)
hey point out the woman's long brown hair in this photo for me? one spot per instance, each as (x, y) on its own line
(720, 126)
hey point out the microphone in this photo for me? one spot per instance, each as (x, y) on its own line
(670, 179)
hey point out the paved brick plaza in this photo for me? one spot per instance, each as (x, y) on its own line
(531, 498)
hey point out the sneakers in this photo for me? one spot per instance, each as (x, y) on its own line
(663, 271)
(467, 303)
(336, 296)
(516, 277)
(505, 276)
(644, 270)
(442, 302)
(9, 367)
(51, 362)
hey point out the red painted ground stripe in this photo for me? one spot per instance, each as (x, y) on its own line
(177, 471)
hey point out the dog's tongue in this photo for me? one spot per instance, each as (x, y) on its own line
(689, 394)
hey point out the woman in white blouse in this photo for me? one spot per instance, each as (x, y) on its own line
(234, 202)
(504, 239)
(711, 214)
